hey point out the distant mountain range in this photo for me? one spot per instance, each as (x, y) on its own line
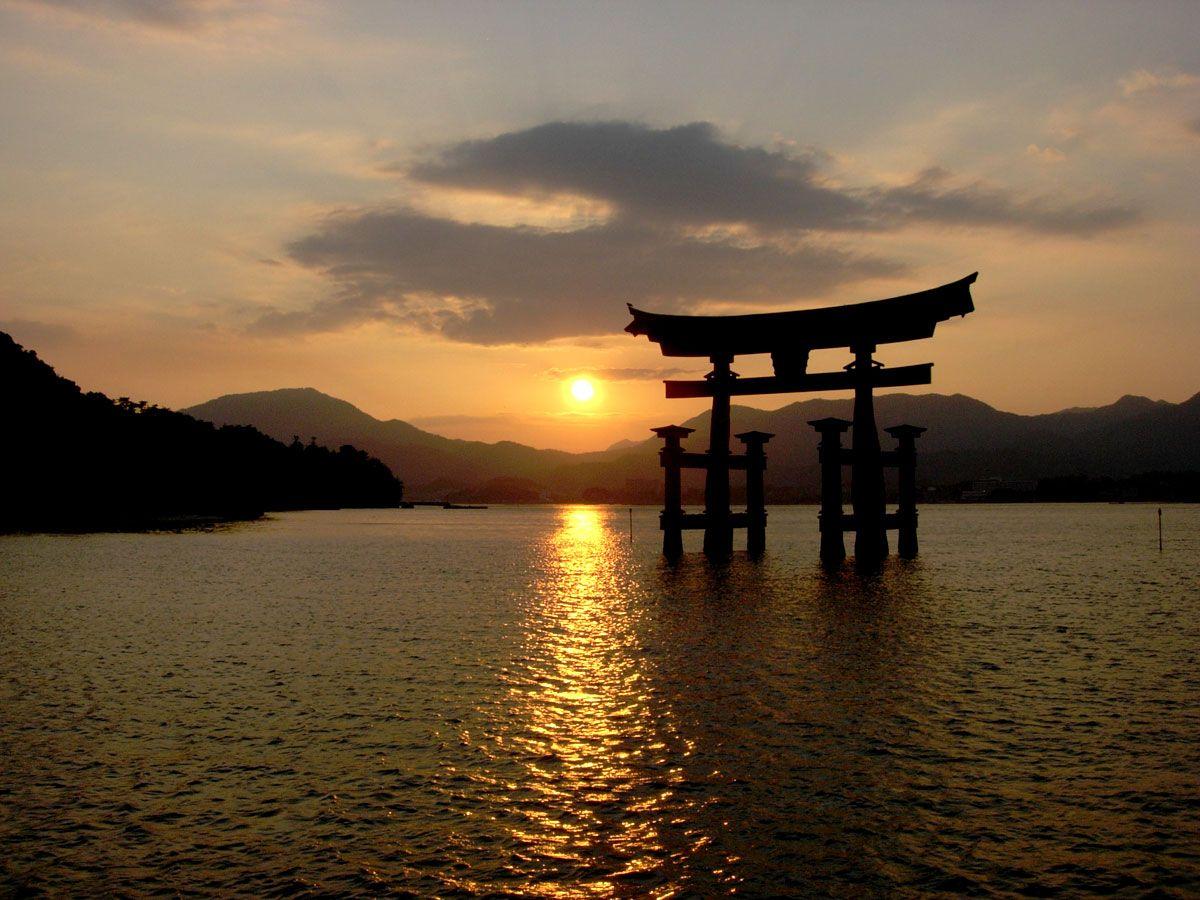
(967, 439)
(426, 462)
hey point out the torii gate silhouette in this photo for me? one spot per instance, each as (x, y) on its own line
(789, 337)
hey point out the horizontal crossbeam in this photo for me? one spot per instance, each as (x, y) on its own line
(900, 376)
(699, 521)
(704, 461)
(696, 521)
(906, 318)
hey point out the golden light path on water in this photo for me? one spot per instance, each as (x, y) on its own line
(596, 745)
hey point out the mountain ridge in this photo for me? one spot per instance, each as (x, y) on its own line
(967, 439)
(80, 461)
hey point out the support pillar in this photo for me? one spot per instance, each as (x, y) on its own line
(833, 547)
(866, 490)
(756, 506)
(718, 530)
(906, 462)
(670, 520)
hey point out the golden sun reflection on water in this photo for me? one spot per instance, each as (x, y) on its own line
(595, 745)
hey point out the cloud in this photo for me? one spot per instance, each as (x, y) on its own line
(687, 176)
(583, 417)
(616, 374)
(690, 219)
(1143, 81)
(164, 18)
(1045, 154)
(451, 420)
(34, 335)
(935, 196)
(489, 284)
(323, 150)
(505, 422)
(681, 175)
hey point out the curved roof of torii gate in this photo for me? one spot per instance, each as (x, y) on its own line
(905, 318)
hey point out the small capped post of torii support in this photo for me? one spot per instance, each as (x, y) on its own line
(671, 518)
(906, 463)
(833, 547)
(756, 507)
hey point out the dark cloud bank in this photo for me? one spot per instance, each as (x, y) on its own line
(529, 284)
(694, 218)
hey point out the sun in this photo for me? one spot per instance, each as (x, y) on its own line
(582, 390)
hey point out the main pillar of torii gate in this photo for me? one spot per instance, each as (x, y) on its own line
(789, 337)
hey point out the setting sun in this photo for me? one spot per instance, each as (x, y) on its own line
(582, 390)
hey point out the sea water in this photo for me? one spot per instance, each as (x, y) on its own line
(528, 701)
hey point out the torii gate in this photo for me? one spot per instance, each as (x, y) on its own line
(789, 337)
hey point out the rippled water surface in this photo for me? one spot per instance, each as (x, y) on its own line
(523, 701)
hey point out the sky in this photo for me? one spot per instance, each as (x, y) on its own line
(439, 211)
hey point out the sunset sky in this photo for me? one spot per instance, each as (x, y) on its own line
(438, 211)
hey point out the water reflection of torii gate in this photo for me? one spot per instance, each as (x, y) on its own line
(789, 337)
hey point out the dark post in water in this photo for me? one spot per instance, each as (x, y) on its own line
(833, 547)
(671, 459)
(756, 507)
(718, 530)
(906, 462)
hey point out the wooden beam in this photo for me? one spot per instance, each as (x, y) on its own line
(907, 318)
(704, 460)
(697, 521)
(900, 376)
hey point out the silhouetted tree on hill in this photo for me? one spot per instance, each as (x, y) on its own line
(72, 460)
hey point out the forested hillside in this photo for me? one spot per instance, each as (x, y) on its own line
(73, 461)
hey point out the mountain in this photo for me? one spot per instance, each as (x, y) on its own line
(428, 461)
(967, 439)
(76, 461)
